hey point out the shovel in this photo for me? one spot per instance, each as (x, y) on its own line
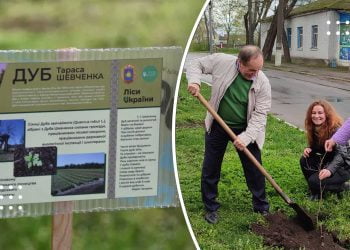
(305, 220)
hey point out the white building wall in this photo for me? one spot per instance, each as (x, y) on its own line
(327, 45)
(333, 38)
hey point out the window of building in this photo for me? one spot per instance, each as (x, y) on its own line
(300, 37)
(314, 36)
(289, 37)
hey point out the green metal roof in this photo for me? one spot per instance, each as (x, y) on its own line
(322, 5)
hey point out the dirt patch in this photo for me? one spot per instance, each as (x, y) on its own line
(281, 231)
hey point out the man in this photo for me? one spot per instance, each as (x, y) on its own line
(241, 94)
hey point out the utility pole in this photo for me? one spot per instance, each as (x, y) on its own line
(280, 27)
(211, 43)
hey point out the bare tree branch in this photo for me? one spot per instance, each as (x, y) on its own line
(271, 34)
(256, 11)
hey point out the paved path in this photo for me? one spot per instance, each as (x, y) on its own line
(292, 93)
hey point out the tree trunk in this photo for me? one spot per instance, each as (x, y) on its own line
(246, 25)
(207, 29)
(250, 23)
(248, 19)
(280, 29)
(251, 35)
(228, 38)
(286, 52)
(211, 42)
(271, 34)
(270, 39)
(256, 11)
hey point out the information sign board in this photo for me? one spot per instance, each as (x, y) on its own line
(90, 126)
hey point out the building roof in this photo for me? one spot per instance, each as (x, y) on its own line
(322, 5)
(317, 6)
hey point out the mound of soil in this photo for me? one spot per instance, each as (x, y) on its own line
(285, 232)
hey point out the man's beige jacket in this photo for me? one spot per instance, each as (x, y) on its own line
(224, 69)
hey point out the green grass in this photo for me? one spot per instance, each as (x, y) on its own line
(199, 47)
(40, 24)
(138, 229)
(282, 150)
(203, 47)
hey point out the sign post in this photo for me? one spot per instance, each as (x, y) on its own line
(62, 227)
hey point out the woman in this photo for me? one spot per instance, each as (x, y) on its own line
(341, 137)
(321, 123)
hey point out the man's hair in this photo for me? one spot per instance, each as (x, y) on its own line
(249, 52)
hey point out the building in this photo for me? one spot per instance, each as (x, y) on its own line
(318, 31)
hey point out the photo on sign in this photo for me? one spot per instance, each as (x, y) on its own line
(12, 136)
(79, 174)
(36, 161)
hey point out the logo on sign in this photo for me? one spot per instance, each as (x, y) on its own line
(129, 73)
(149, 73)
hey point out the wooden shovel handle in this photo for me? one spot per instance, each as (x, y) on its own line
(245, 150)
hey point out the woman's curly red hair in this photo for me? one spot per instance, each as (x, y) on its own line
(327, 129)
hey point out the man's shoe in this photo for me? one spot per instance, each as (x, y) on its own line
(263, 212)
(211, 217)
(346, 186)
(340, 195)
(314, 197)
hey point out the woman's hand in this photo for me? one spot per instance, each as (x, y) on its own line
(324, 173)
(329, 144)
(307, 152)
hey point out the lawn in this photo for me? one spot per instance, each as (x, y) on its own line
(282, 150)
(40, 24)
(161, 228)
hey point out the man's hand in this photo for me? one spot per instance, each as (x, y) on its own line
(329, 144)
(193, 88)
(307, 152)
(239, 144)
(324, 173)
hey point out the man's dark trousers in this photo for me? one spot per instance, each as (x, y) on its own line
(215, 145)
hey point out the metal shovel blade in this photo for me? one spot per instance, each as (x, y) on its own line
(305, 220)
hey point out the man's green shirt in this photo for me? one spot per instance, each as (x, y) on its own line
(233, 106)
